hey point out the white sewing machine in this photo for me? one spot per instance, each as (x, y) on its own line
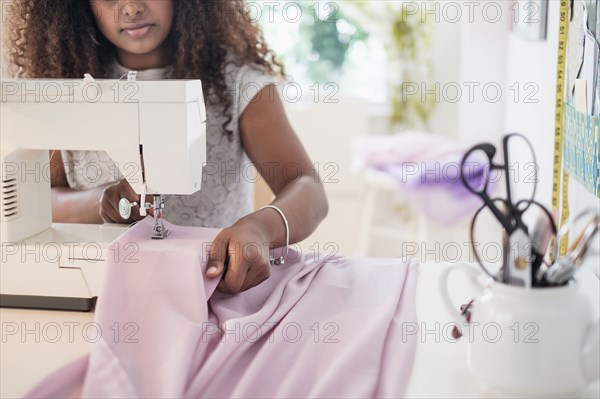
(154, 131)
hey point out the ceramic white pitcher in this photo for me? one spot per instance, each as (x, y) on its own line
(528, 342)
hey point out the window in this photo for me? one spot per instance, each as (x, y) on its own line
(326, 54)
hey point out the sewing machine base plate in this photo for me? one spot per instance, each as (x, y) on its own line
(47, 302)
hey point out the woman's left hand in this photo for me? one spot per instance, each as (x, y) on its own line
(244, 247)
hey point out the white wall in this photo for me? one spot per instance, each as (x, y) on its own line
(490, 52)
(327, 132)
(444, 55)
(482, 61)
(535, 62)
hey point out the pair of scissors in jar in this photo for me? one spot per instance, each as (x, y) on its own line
(477, 174)
(564, 267)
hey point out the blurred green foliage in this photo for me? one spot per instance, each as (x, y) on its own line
(411, 41)
(321, 51)
(327, 40)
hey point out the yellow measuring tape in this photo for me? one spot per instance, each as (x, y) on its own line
(560, 177)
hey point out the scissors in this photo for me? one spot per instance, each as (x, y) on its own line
(517, 244)
(565, 266)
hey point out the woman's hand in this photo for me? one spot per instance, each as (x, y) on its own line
(109, 202)
(244, 247)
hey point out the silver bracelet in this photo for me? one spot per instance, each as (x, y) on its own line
(281, 259)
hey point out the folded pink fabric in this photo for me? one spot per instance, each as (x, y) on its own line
(319, 327)
(427, 169)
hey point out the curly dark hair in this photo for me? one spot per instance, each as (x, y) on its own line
(60, 39)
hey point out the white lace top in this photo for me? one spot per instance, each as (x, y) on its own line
(226, 193)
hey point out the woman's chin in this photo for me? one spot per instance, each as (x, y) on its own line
(140, 50)
(140, 55)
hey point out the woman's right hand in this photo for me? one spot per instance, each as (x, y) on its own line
(109, 203)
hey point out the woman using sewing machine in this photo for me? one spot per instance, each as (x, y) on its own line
(216, 42)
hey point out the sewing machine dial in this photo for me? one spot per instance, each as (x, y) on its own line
(125, 208)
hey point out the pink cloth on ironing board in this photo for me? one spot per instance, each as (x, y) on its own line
(427, 170)
(319, 327)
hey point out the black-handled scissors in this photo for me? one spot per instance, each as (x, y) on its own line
(510, 219)
(517, 248)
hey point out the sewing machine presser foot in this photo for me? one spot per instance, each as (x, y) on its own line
(159, 229)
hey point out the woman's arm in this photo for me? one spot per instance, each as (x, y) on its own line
(93, 206)
(279, 156)
(282, 161)
(68, 205)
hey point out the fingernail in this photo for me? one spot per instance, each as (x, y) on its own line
(211, 270)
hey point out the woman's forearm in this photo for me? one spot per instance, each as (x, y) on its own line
(76, 206)
(304, 204)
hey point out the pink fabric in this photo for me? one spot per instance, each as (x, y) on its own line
(406, 147)
(426, 168)
(319, 327)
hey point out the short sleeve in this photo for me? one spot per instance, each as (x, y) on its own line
(249, 81)
(88, 169)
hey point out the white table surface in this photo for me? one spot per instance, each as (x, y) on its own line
(440, 368)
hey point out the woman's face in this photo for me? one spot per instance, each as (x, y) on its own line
(138, 28)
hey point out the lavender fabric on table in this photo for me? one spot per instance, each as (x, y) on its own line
(426, 167)
(319, 327)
